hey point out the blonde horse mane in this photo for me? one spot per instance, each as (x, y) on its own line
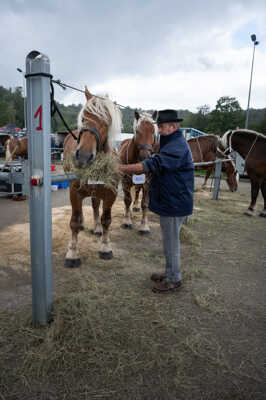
(145, 117)
(105, 109)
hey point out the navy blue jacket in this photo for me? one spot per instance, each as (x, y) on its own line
(172, 182)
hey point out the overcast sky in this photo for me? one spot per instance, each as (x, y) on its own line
(151, 54)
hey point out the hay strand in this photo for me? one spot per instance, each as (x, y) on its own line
(105, 167)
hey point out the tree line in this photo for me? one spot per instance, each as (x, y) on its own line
(227, 114)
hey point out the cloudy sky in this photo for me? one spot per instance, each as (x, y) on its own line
(151, 54)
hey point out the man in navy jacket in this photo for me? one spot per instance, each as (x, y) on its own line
(171, 193)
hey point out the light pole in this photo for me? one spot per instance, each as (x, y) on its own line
(255, 42)
(24, 96)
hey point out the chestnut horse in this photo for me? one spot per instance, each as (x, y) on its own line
(98, 123)
(132, 151)
(251, 146)
(16, 148)
(204, 149)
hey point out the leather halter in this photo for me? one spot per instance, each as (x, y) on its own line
(100, 144)
(144, 147)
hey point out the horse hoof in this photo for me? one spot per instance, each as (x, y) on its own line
(136, 209)
(262, 214)
(144, 233)
(106, 256)
(98, 233)
(248, 213)
(72, 263)
(126, 226)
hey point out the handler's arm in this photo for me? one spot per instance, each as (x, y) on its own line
(132, 168)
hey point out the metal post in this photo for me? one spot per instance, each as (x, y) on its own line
(217, 179)
(254, 40)
(39, 127)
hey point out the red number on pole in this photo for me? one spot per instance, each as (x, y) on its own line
(39, 112)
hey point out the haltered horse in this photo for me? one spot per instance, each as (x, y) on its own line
(204, 149)
(98, 123)
(251, 146)
(132, 151)
(16, 147)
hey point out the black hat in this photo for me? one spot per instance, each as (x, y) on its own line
(167, 116)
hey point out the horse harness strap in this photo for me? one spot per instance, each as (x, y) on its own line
(253, 144)
(201, 156)
(144, 147)
(100, 144)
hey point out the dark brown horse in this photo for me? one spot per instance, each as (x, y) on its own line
(15, 148)
(132, 151)
(252, 147)
(98, 123)
(204, 149)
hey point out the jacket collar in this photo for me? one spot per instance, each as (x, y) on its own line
(168, 138)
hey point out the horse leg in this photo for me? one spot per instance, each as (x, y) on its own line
(72, 259)
(207, 175)
(127, 224)
(255, 187)
(96, 216)
(136, 201)
(106, 250)
(144, 227)
(263, 191)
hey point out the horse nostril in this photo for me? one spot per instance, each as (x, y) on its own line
(77, 154)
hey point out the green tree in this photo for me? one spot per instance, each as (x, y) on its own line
(261, 127)
(200, 120)
(227, 115)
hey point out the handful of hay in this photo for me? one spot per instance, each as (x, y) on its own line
(105, 167)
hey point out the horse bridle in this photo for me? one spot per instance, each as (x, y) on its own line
(144, 147)
(100, 144)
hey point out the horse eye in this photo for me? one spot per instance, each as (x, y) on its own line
(83, 119)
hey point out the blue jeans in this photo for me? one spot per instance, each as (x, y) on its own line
(170, 227)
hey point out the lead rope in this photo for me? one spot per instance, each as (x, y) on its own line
(55, 109)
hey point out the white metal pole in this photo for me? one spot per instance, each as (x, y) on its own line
(217, 179)
(39, 128)
(250, 84)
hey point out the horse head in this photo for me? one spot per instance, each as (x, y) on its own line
(98, 122)
(232, 175)
(144, 135)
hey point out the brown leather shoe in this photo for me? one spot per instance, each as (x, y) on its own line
(166, 287)
(158, 277)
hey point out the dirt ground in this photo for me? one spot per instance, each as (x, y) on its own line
(112, 338)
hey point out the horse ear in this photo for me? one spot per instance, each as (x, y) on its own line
(137, 115)
(154, 115)
(87, 94)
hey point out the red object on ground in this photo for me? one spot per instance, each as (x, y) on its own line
(53, 167)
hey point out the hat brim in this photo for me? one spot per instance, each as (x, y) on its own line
(168, 122)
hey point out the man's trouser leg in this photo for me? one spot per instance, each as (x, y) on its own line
(170, 227)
